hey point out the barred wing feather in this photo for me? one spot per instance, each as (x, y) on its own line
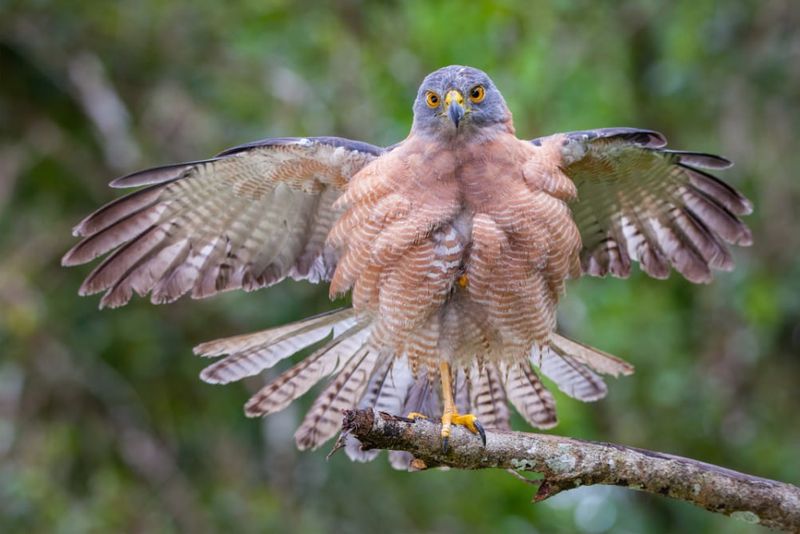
(638, 201)
(247, 218)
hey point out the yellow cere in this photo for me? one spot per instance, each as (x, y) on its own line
(454, 96)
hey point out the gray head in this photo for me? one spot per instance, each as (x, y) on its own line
(460, 101)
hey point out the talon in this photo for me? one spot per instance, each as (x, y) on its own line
(469, 421)
(481, 431)
(447, 421)
(473, 425)
(413, 416)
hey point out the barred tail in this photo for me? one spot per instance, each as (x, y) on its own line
(366, 376)
(573, 367)
(387, 391)
(347, 354)
(249, 354)
(486, 389)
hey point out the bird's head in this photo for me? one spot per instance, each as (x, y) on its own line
(460, 101)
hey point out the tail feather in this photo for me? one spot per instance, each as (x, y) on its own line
(423, 397)
(303, 376)
(461, 393)
(229, 345)
(400, 460)
(478, 389)
(373, 390)
(324, 418)
(395, 387)
(572, 377)
(250, 354)
(572, 367)
(367, 377)
(529, 396)
(488, 398)
(386, 392)
(600, 361)
(370, 398)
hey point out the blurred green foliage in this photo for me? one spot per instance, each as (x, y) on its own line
(104, 425)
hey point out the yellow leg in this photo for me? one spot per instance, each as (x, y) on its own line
(450, 415)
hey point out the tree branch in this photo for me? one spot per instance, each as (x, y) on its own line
(568, 463)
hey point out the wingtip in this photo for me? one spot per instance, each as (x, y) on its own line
(746, 238)
(68, 260)
(111, 304)
(701, 159)
(746, 207)
(154, 175)
(122, 182)
(129, 180)
(86, 289)
(725, 163)
(78, 255)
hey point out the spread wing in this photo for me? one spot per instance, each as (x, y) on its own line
(247, 218)
(638, 201)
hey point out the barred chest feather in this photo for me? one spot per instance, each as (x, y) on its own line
(455, 254)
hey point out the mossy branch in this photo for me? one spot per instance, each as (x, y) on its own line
(567, 463)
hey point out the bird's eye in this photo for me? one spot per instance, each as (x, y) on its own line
(477, 94)
(432, 99)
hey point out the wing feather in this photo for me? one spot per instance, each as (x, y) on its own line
(638, 201)
(247, 218)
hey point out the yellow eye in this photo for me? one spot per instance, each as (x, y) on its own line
(477, 94)
(432, 99)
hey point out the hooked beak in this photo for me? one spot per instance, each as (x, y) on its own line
(454, 104)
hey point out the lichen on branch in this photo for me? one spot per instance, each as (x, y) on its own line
(567, 463)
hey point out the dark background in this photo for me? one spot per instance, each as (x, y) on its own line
(104, 425)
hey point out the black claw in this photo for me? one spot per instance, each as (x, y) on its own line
(445, 444)
(481, 431)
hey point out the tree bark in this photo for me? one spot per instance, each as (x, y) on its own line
(569, 463)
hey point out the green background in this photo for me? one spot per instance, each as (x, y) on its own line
(104, 425)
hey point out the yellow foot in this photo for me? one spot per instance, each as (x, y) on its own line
(468, 420)
(416, 415)
(471, 422)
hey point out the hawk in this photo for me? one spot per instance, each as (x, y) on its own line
(455, 244)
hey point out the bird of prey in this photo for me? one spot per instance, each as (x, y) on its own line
(455, 243)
